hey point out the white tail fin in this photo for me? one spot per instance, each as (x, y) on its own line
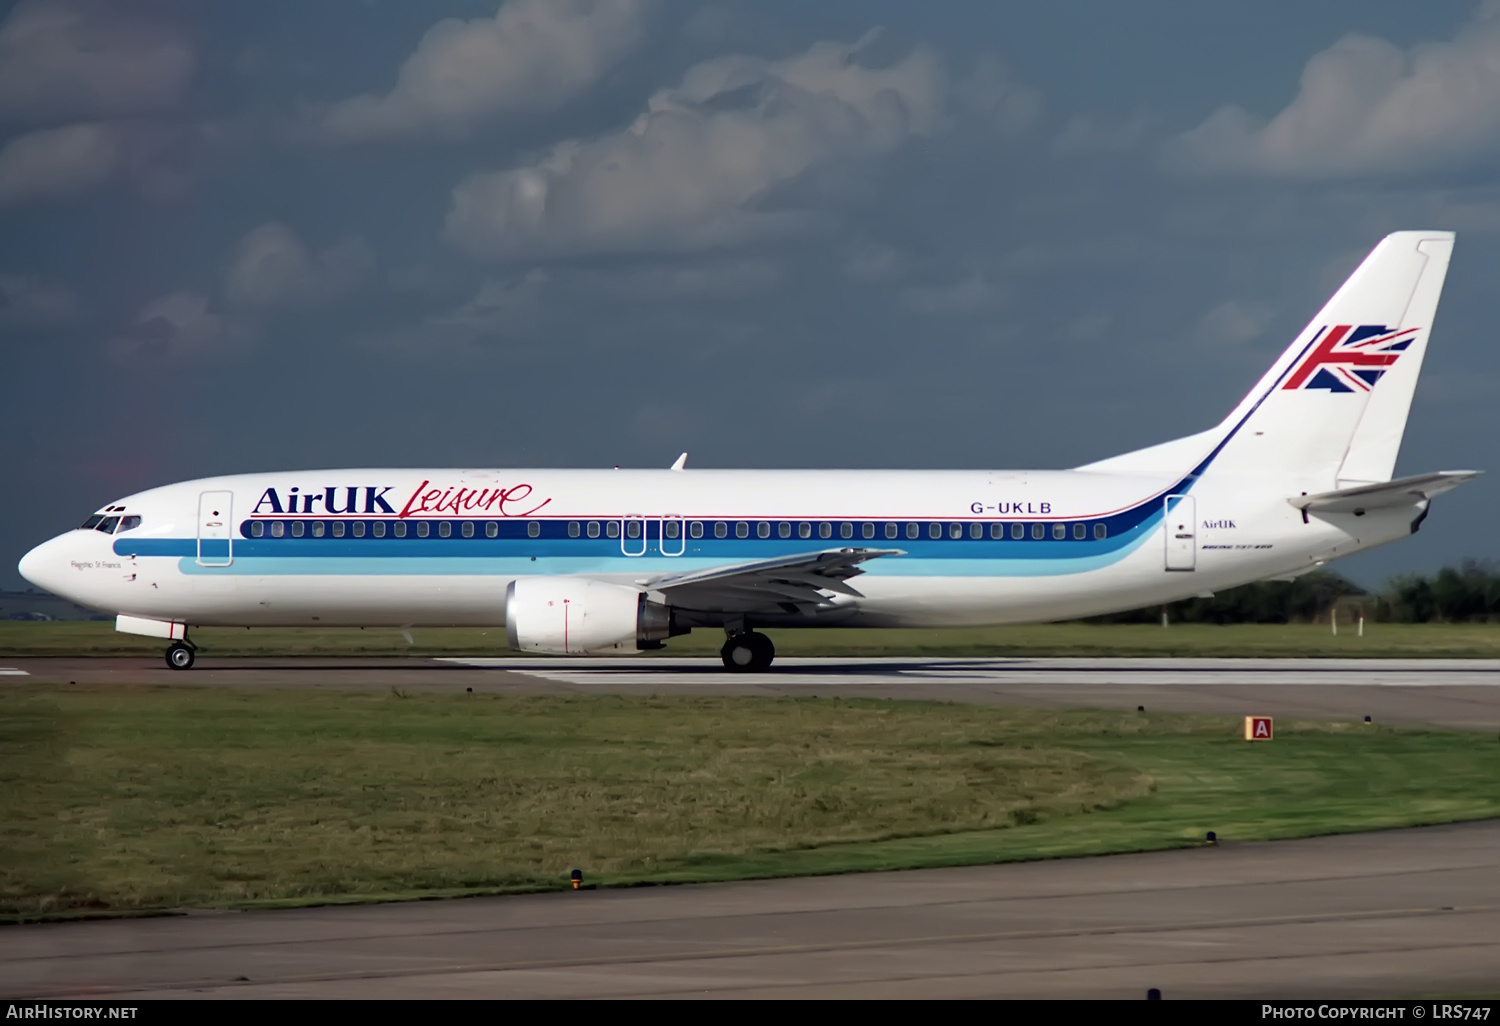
(1331, 411)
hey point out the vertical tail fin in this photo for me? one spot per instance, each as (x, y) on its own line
(1331, 411)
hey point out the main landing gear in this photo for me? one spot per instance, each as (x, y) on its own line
(748, 652)
(180, 656)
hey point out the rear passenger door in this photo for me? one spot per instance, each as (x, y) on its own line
(1180, 519)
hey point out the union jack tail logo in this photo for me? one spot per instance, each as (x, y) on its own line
(1346, 358)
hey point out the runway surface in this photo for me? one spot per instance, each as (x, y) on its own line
(1397, 914)
(1454, 693)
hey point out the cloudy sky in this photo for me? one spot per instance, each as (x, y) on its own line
(772, 233)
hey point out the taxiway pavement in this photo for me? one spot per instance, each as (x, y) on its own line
(1385, 915)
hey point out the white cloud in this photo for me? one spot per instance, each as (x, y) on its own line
(59, 161)
(872, 262)
(271, 267)
(156, 158)
(31, 303)
(1366, 108)
(682, 282)
(502, 305)
(970, 294)
(73, 59)
(1233, 322)
(180, 326)
(691, 171)
(990, 93)
(533, 55)
(1085, 136)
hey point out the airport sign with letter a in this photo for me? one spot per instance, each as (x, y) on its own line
(1257, 728)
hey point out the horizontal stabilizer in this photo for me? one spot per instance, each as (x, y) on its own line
(1407, 491)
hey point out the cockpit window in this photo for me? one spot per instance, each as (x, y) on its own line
(128, 524)
(107, 525)
(91, 523)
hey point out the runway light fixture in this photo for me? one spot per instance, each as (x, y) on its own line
(1211, 838)
(1154, 994)
(577, 877)
(1367, 719)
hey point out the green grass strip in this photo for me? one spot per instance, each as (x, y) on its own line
(114, 801)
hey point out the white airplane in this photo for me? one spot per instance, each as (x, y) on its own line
(588, 561)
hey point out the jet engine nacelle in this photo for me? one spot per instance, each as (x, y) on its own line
(575, 615)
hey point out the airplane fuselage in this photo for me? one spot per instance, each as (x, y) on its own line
(439, 547)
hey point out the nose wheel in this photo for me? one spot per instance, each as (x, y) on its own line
(180, 657)
(748, 652)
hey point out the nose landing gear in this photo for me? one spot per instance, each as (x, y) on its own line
(747, 652)
(181, 655)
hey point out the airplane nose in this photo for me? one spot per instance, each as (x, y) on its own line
(43, 566)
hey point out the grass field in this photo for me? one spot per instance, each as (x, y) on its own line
(114, 800)
(1381, 640)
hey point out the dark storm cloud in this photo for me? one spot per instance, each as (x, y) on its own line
(596, 234)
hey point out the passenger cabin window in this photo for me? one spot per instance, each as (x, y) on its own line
(997, 531)
(358, 528)
(672, 528)
(763, 529)
(317, 528)
(804, 530)
(277, 529)
(445, 530)
(258, 529)
(492, 530)
(593, 529)
(846, 531)
(297, 528)
(632, 528)
(891, 530)
(378, 528)
(1080, 531)
(533, 529)
(338, 528)
(742, 530)
(976, 531)
(573, 529)
(868, 530)
(1100, 530)
(1039, 531)
(955, 531)
(934, 530)
(1059, 531)
(721, 529)
(783, 530)
(825, 530)
(696, 529)
(913, 530)
(1018, 531)
(468, 529)
(612, 529)
(423, 528)
(398, 529)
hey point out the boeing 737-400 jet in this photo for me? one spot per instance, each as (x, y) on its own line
(588, 561)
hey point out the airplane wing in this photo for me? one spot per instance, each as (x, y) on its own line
(790, 584)
(1406, 491)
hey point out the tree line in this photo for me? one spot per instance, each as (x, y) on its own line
(1467, 593)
